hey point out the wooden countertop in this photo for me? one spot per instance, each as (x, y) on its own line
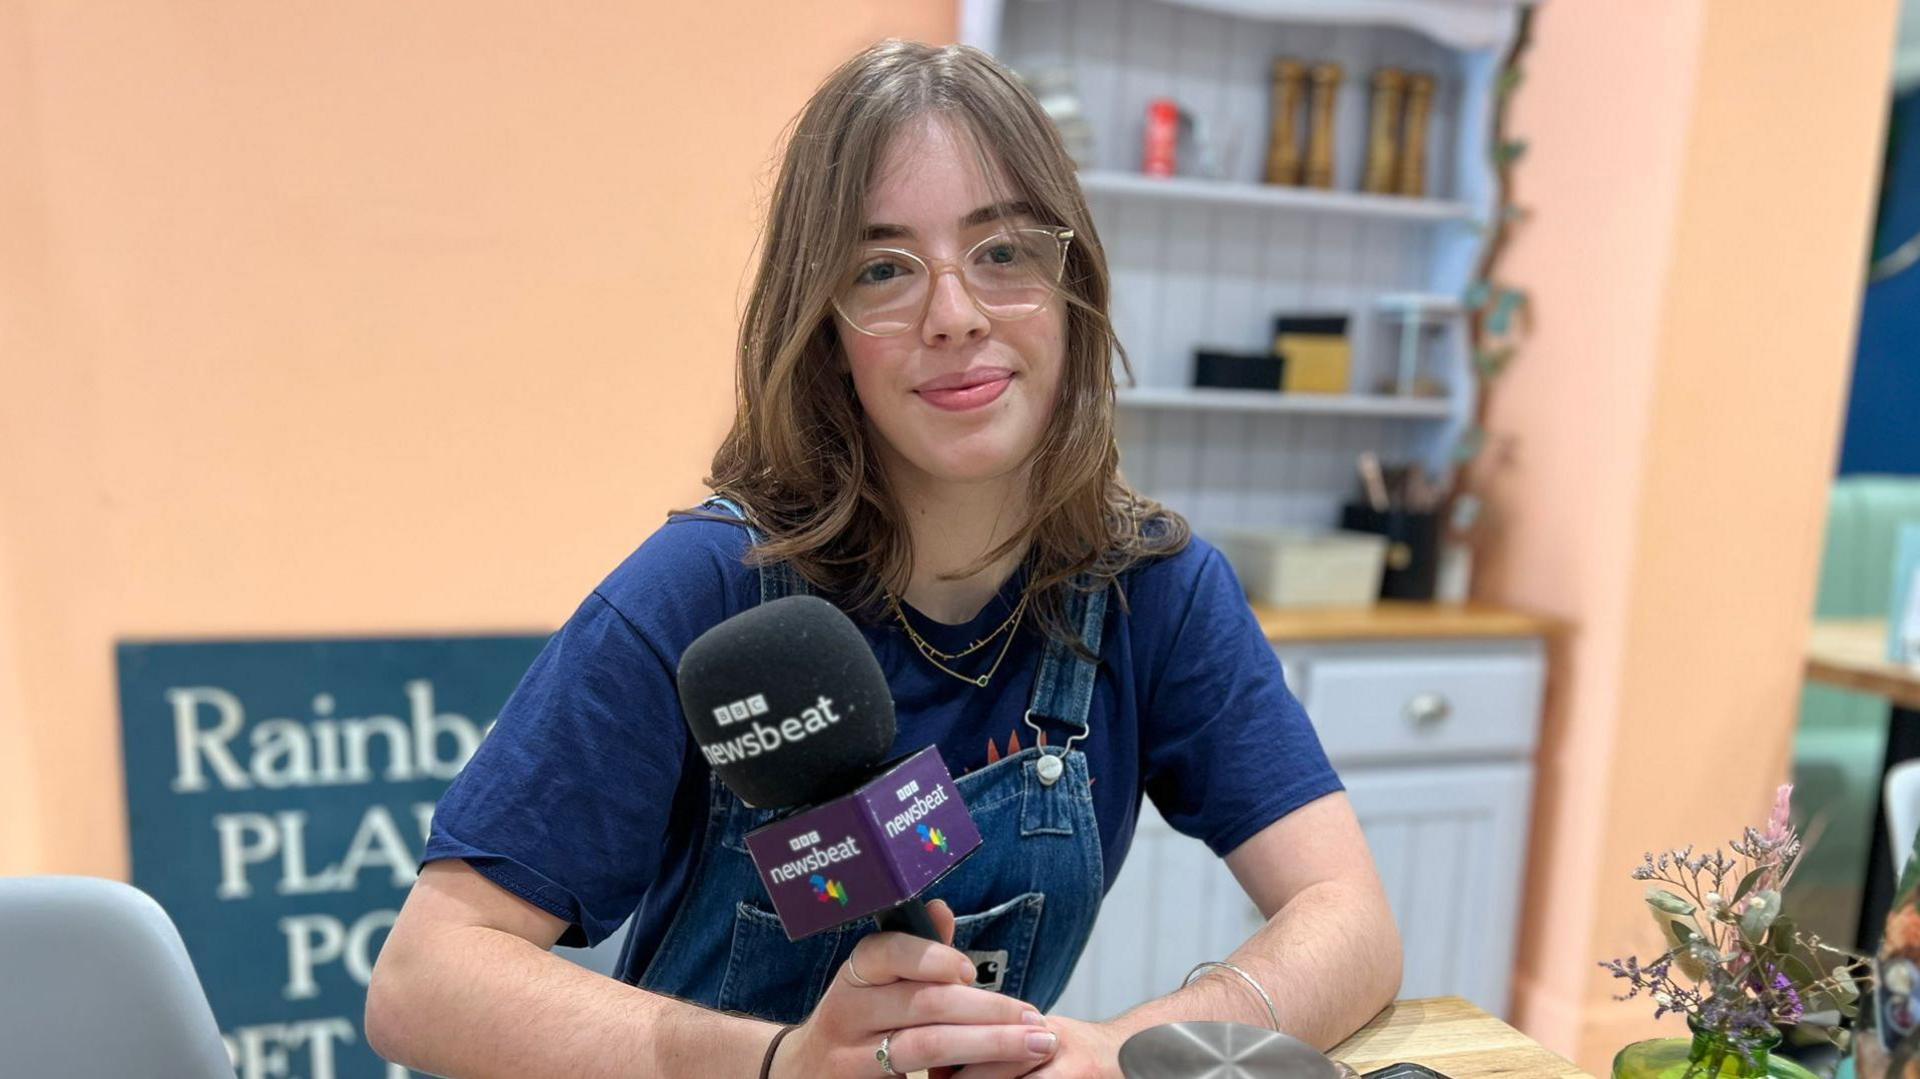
(1852, 654)
(1393, 619)
(1448, 1035)
(1452, 1037)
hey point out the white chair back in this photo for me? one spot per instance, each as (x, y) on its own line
(96, 984)
(1902, 794)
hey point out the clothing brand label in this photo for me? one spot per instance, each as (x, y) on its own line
(989, 969)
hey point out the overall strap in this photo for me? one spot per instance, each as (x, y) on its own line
(776, 579)
(1063, 690)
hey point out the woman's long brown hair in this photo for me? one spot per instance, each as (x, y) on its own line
(800, 457)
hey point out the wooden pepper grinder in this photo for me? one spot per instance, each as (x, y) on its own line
(1383, 131)
(1413, 147)
(1326, 85)
(1283, 144)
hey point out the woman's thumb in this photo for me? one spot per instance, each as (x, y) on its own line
(942, 916)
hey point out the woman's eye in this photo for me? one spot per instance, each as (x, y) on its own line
(1003, 253)
(880, 272)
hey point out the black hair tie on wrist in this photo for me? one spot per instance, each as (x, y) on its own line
(766, 1066)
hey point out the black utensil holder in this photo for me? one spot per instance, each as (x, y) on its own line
(1413, 547)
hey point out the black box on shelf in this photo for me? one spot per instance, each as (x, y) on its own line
(1413, 547)
(1328, 324)
(1215, 369)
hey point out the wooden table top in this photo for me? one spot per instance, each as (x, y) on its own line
(1851, 654)
(1397, 619)
(1452, 1037)
(1448, 1035)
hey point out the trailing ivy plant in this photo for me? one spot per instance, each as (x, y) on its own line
(1496, 310)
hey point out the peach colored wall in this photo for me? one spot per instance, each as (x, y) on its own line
(1703, 176)
(355, 318)
(376, 318)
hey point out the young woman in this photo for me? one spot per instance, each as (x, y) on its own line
(924, 436)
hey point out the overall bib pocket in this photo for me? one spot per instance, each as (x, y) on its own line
(782, 978)
(771, 976)
(1000, 942)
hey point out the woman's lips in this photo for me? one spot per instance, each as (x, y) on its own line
(967, 397)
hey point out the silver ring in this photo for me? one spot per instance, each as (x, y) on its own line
(855, 975)
(881, 1054)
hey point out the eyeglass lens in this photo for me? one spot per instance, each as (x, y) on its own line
(1009, 275)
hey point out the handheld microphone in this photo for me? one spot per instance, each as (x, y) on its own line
(790, 708)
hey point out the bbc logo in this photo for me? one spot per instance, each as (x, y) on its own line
(755, 705)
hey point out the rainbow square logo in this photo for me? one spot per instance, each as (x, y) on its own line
(828, 891)
(932, 838)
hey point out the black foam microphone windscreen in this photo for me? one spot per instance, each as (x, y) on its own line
(787, 702)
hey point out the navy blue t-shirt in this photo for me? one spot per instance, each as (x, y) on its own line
(588, 798)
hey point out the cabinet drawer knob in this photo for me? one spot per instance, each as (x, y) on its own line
(1428, 709)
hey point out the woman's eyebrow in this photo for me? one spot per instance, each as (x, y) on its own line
(1012, 208)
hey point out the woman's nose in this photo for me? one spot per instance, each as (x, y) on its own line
(951, 311)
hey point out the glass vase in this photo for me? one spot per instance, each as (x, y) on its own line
(1704, 1056)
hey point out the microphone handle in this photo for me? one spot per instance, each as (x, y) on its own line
(909, 917)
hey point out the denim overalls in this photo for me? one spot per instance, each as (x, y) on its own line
(1025, 900)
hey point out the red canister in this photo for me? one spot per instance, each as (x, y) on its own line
(1162, 136)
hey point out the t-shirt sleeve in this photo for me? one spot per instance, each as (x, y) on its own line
(1229, 749)
(565, 803)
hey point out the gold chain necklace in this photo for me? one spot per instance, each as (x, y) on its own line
(934, 655)
(894, 601)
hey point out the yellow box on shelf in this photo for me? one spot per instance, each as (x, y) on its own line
(1318, 355)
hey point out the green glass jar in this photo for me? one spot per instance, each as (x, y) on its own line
(1706, 1056)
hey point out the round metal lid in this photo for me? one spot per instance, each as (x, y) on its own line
(1223, 1051)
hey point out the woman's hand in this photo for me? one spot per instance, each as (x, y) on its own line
(1087, 1051)
(922, 994)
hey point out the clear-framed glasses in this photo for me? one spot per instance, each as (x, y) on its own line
(1009, 275)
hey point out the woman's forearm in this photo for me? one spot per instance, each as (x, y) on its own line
(472, 1001)
(1330, 959)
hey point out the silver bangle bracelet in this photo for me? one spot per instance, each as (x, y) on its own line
(1272, 1015)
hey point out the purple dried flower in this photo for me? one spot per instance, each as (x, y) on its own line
(1787, 1007)
(1726, 965)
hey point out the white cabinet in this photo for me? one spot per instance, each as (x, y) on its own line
(1450, 843)
(1390, 707)
(1434, 741)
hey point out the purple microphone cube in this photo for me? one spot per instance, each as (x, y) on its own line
(866, 851)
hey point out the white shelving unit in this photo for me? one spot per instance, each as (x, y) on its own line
(1307, 404)
(1433, 739)
(1209, 261)
(1304, 200)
